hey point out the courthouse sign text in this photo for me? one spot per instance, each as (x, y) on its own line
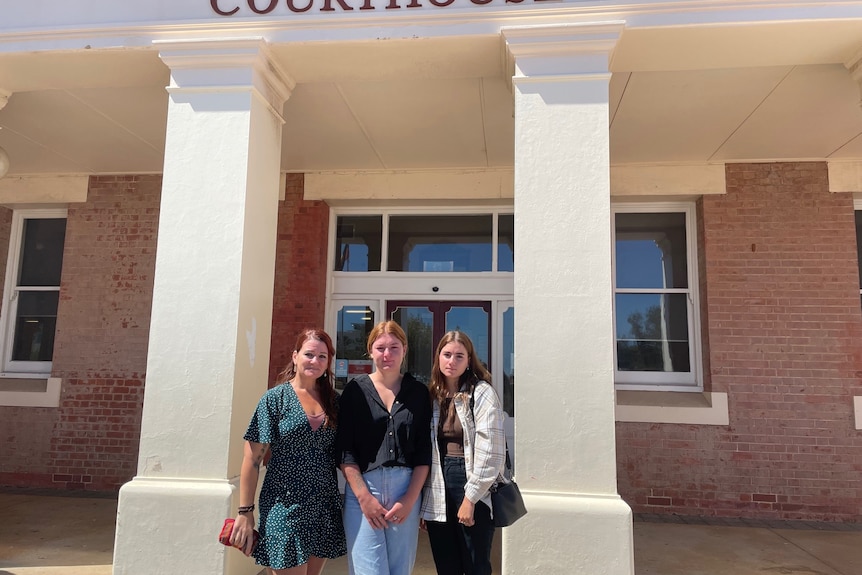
(231, 7)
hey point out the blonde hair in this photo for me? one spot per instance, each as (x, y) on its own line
(384, 327)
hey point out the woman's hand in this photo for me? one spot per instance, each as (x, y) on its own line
(402, 508)
(465, 513)
(374, 513)
(422, 525)
(399, 512)
(242, 536)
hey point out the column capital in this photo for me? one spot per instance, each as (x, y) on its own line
(561, 50)
(4, 98)
(226, 65)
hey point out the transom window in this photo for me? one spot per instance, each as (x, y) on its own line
(655, 311)
(470, 242)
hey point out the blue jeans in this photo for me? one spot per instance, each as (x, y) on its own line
(389, 551)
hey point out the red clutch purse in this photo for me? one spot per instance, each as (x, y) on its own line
(227, 529)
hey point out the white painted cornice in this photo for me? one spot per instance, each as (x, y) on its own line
(224, 65)
(83, 24)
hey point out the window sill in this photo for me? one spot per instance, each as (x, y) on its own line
(27, 391)
(703, 408)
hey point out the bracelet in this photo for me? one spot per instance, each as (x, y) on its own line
(245, 508)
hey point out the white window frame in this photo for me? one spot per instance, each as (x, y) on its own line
(656, 380)
(20, 369)
(386, 213)
(857, 207)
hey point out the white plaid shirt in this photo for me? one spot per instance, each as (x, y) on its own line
(484, 451)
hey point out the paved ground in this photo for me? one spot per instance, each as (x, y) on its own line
(61, 535)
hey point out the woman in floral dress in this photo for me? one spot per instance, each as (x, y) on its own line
(300, 505)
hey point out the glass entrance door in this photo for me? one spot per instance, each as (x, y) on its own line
(425, 322)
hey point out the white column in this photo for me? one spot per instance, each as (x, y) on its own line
(564, 430)
(208, 354)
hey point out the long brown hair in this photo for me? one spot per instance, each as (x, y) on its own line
(325, 383)
(474, 373)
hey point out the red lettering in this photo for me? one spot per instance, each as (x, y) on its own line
(367, 5)
(516, 1)
(414, 4)
(267, 10)
(480, 2)
(393, 4)
(327, 6)
(441, 3)
(293, 8)
(220, 12)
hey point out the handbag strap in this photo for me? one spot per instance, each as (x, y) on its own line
(506, 442)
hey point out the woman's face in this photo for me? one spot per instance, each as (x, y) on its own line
(387, 353)
(312, 360)
(453, 361)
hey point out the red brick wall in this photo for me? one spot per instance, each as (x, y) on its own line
(300, 271)
(784, 326)
(91, 441)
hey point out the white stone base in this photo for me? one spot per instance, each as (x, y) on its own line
(171, 526)
(570, 534)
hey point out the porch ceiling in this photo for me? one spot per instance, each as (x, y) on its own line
(677, 95)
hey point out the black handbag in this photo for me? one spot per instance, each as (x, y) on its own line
(506, 502)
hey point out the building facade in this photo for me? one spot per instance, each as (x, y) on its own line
(185, 185)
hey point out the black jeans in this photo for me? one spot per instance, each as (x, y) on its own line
(457, 549)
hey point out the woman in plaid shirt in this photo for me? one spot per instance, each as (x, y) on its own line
(468, 453)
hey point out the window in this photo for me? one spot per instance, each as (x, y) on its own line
(354, 324)
(32, 290)
(358, 243)
(411, 242)
(655, 297)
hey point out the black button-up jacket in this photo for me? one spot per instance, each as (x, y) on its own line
(369, 436)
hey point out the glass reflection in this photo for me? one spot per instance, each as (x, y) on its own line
(651, 250)
(351, 338)
(506, 243)
(474, 322)
(42, 252)
(418, 324)
(458, 243)
(34, 326)
(358, 243)
(652, 332)
(509, 361)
